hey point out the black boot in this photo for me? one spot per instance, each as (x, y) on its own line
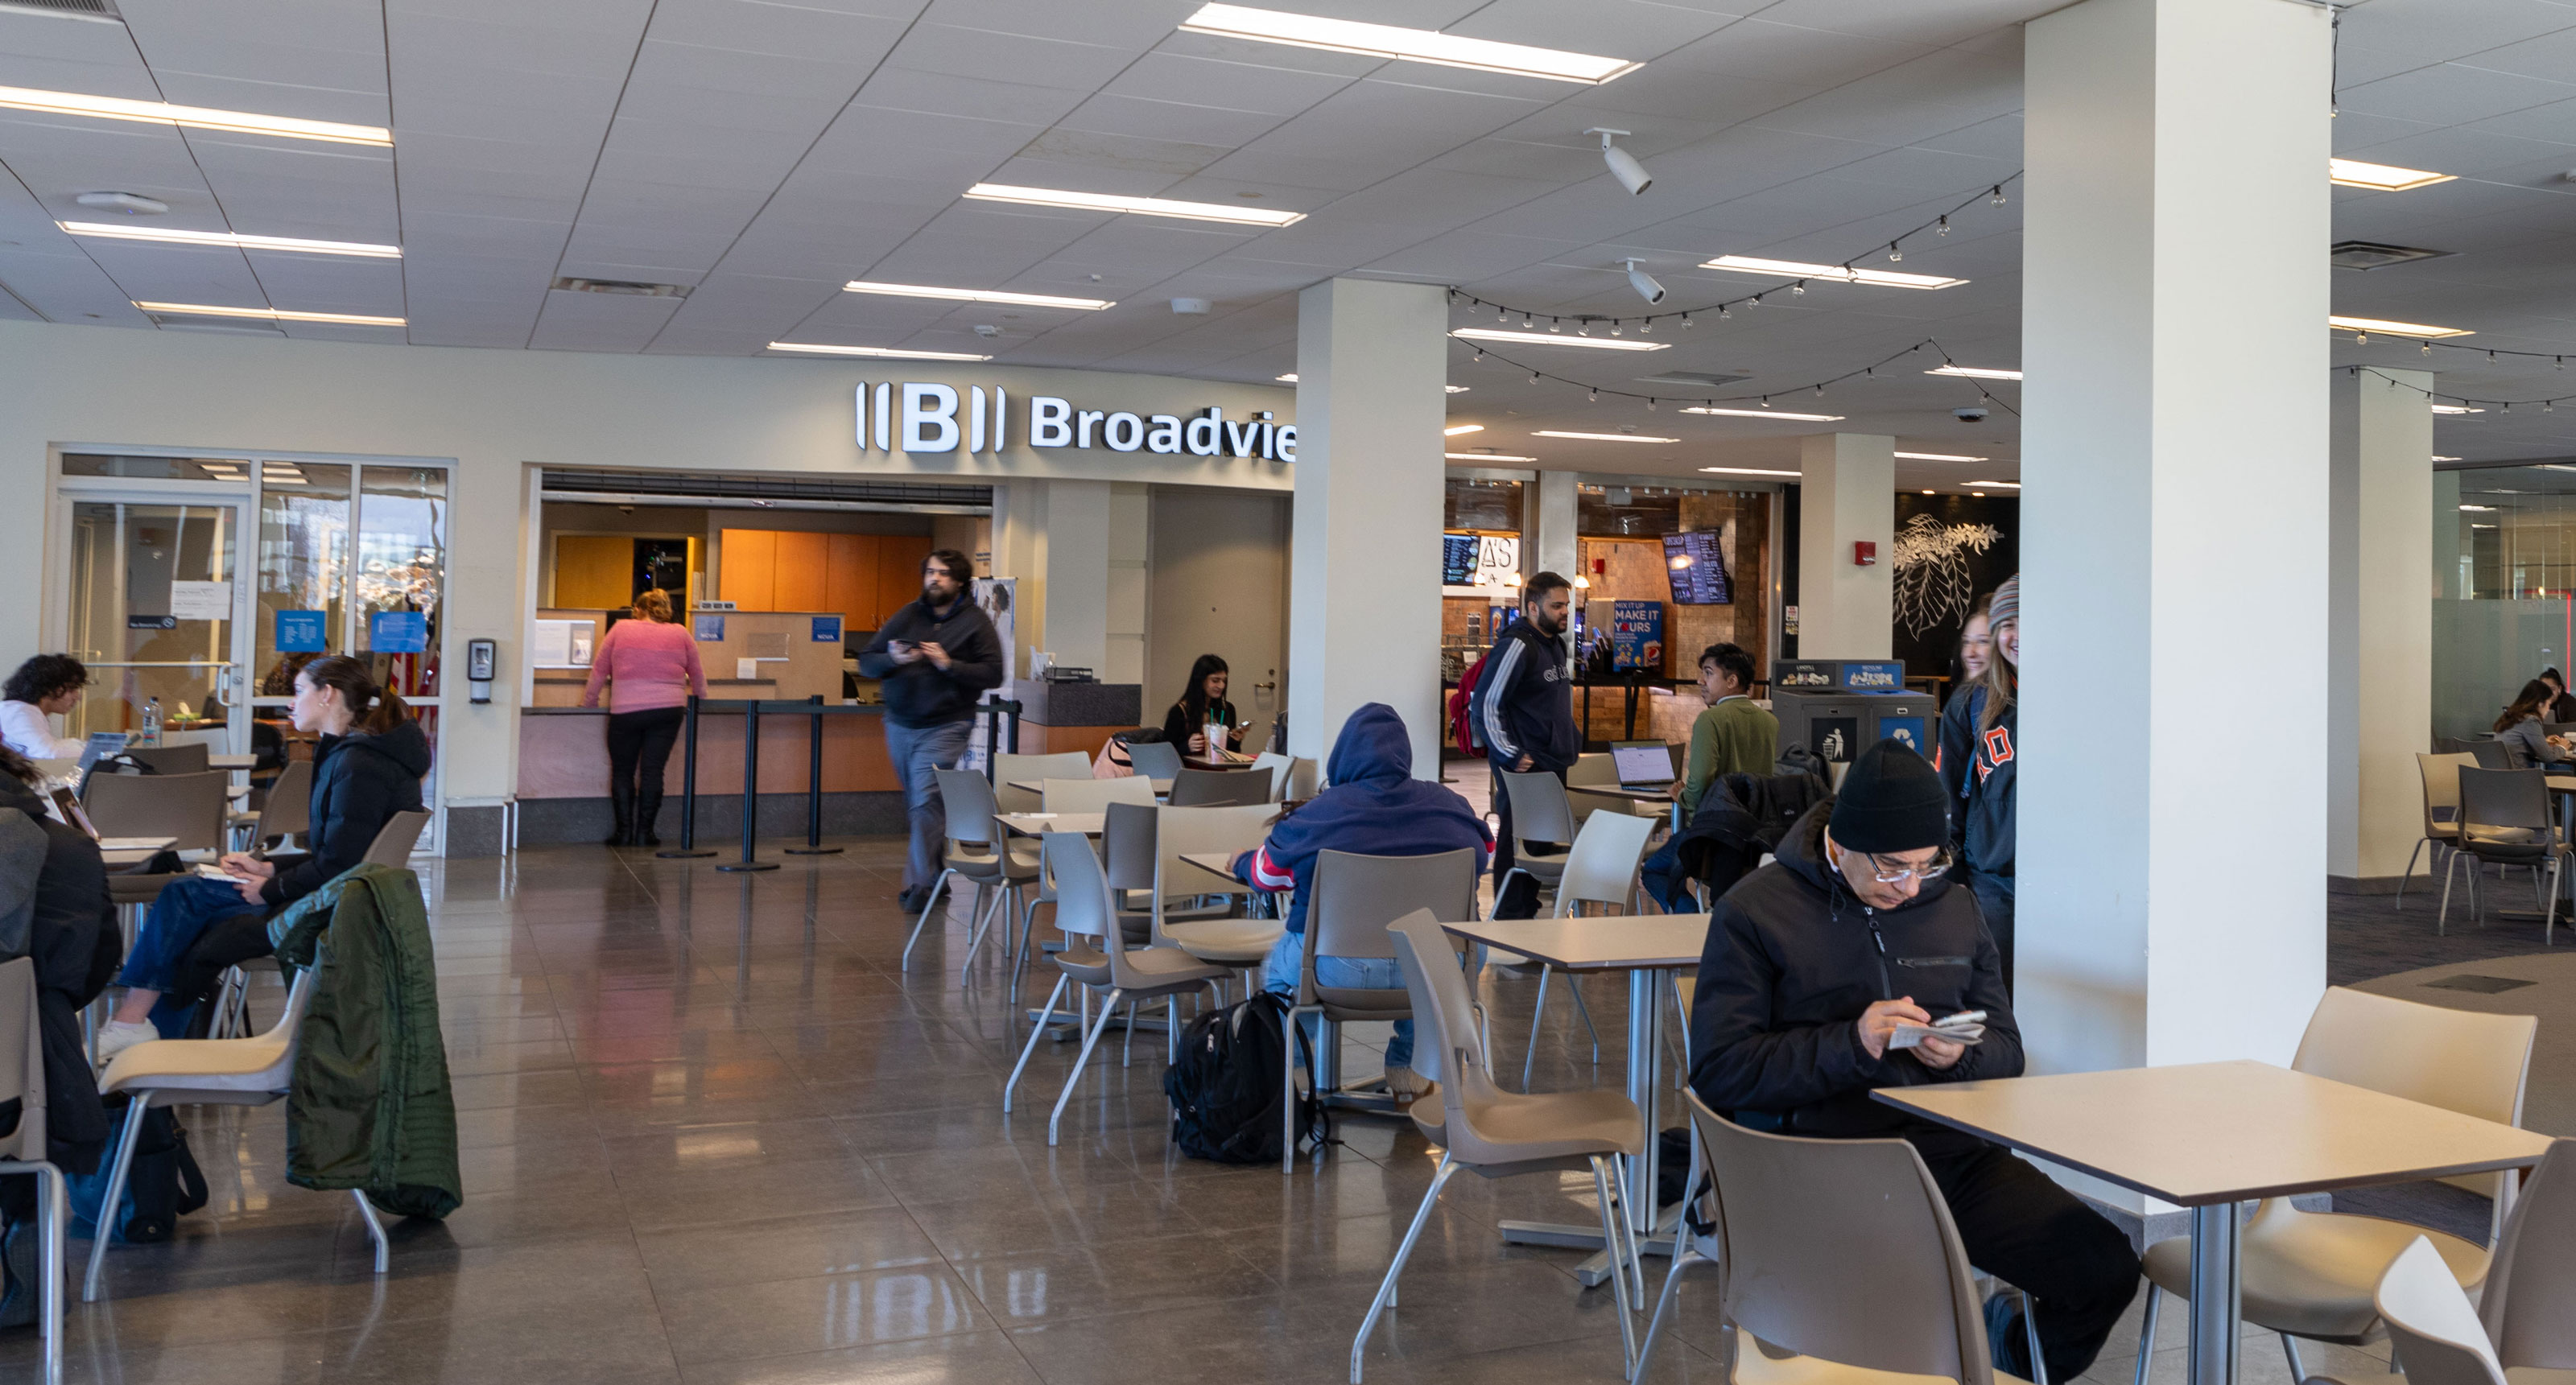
(648, 814)
(621, 801)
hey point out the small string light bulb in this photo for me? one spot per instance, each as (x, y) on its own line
(2490, 357)
(1895, 252)
(1650, 406)
(1820, 391)
(2428, 348)
(1554, 326)
(1503, 314)
(1998, 199)
(1480, 353)
(1724, 313)
(1799, 287)
(1944, 228)
(1614, 326)
(2361, 339)
(1533, 377)
(1645, 325)
(1594, 394)
(1754, 302)
(1686, 322)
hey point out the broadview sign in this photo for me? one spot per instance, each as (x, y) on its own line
(916, 416)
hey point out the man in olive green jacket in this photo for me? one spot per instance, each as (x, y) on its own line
(370, 1106)
(1733, 736)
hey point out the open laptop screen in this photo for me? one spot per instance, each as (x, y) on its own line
(1642, 762)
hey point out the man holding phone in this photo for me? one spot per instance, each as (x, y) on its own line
(935, 658)
(1851, 963)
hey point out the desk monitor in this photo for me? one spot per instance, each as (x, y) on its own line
(1642, 764)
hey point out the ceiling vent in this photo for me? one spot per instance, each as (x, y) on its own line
(2367, 254)
(623, 286)
(74, 9)
(1690, 379)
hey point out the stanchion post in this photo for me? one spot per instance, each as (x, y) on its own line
(814, 788)
(688, 792)
(750, 790)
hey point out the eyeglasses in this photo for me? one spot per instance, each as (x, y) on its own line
(1887, 874)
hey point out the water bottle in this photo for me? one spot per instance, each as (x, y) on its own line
(151, 723)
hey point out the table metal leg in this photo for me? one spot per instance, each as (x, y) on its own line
(2216, 1308)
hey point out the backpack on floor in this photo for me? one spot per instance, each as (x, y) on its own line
(1225, 1086)
(163, 1185)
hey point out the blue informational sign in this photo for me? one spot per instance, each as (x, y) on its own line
(1637, 635)
(1906, 731)
(302, 632)
(1873, 678)
(398, 632)
(709, 629)
(827, 629)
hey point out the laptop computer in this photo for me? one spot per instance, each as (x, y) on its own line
(1642, 764)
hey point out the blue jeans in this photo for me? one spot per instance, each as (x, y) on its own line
(182, 914)
(916, 751)
(1279, 975)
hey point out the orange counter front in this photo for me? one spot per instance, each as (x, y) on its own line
(563, 753)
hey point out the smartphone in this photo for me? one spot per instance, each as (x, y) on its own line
(1964, 1017)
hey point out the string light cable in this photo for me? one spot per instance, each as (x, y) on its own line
(2461, 400)
(1763, 399)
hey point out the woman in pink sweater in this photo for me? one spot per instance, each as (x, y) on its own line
(651, 667)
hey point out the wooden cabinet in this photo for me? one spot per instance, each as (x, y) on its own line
(899, 572)
(799, 585)
(747, 569)
(850, 580)
(594, 571)
(865, 577)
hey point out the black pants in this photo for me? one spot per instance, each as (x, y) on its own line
(642, 739)
(2018, 1224)
(1995, 901)
(1520, 899)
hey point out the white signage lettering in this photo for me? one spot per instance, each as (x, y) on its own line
(927, 417)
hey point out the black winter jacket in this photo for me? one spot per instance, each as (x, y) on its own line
(920, 693)
(359, 782)
(1525, 703)
(1792, 960)
(1739, 818)
(76, 946)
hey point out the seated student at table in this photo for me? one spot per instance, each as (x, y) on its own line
(1811, 964)
(1375, 807)
(2519, 730)
(1734, 736)
(44, 686)
(2561, 706)
(1185, 725)
(367, 768)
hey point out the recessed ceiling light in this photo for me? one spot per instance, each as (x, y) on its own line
(190, 117)
(1289, 378)
(2479, 509)
(1453, 389)
(1601, 437)
(2008, 485)
(893, 353)
(1928, 492)
(109, 231)
(1940, 457)
(2440, 458)
(1830, 273)
(1455, 429)
(1765, 413)
(1485, 457)
(2455, 409)
(1748, 471)
(1410, 45)
(1978, 494)
(1975, 372)
(267, 314)
(2396, 329)
(1031, 300)
(1557, 339)
(2353, 173)
(1146, 206)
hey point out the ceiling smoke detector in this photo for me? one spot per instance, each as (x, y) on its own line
(122, 203)
(627, 287)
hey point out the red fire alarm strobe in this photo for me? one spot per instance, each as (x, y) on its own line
(1864, 554)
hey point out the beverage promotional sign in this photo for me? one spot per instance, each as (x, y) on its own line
(1636, 635)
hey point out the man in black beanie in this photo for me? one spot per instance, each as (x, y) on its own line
(1818, 969)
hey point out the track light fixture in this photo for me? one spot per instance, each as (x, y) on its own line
(1631, 174)
(1645, 284)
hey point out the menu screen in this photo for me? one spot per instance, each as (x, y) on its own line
(1697, 569)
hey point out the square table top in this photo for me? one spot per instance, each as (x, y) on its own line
(1617, 942)
(1035, 824)
(2201, 1133)
(1219, 864)
(231, 761)
(1654, 795)
(1038, 786)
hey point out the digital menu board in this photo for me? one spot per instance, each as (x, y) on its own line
(1697, 569)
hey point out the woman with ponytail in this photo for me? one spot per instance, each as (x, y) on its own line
(1981, 762)
(366, 768)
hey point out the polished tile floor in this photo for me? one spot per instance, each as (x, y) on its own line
(711, 1132)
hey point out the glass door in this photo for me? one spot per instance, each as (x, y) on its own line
(157, 612)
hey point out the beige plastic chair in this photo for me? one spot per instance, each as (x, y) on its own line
(981, 854)
(1353, 900)
(1127, 832)
(22, 1078)
(392, 847)
(208, 1072)
(1601, 869)
(1274, 765)
(2311, 1274)
(189, 808)
(2433, 1330)
(289, 810)
(2441, 812)
(2529, 1305)
(1029, 769)
(1228, 942)
(1496, 1133)
(1130, 975)
(1541, 814)
(1305, 780)
(1093, 795)
(1218, 788)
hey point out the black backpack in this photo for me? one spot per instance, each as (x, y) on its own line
(1225, 1086)
(163, 1185)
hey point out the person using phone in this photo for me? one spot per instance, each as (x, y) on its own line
(1813, 965)
(1186, 724)
(936, 657)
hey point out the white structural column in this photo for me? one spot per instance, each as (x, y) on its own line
(1846, 496)
(1055, 537)
(2384, 580)
(1556, 550)
(2172, 799)
(1364, 582)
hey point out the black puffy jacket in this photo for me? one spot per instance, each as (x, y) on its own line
(1793, 958)
(359, 782)
(76, 944)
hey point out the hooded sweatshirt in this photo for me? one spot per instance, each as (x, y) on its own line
(1375, 807)
(1793, 958)
(359, 782)
(1981, 765)
(54, 902)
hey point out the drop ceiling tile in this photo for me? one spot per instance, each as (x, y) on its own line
(1027, 59)
(1065, 157)
(801, 33)
(1163, 120)
(1638, 30)
(1224, 84)
(600, 322)
(1133, 24)
(2453, 94)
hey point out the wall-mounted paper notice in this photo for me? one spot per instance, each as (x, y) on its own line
(201, 600)
(746, 668)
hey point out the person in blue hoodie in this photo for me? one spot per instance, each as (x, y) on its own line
(1374, 807)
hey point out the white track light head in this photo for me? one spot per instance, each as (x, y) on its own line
(1645, 285)
(1631, 174)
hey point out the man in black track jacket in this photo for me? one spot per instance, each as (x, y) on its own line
(1812, 965)
(1524, 709)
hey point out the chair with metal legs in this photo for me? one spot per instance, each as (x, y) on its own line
(1010, 770)
(1219, 937)
(979, 853)
(1498, 1134)
(2504, 820)
(1154, 759)
(2441, 775)
(1600, 869)
(22, 1150)
(2529, 1306)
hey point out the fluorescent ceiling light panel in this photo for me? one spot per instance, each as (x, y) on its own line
(1031, 300)
(1601, 437)
(2008, 485)
(1765, 413)
(2455, 409)
(1557, 339)
(1409, 45)
(2353, 173)
(1940, 457)
(2396, 329)
(1146, 206)
(2440, 458)
(1975, 372)
(266, 314)
(1485, 457)
(1749, 471)
(1455, 429)
(190, 117)
(2479, 509)
(894, 353)
(108, 231)
(1288, 379)
(1829, 273)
